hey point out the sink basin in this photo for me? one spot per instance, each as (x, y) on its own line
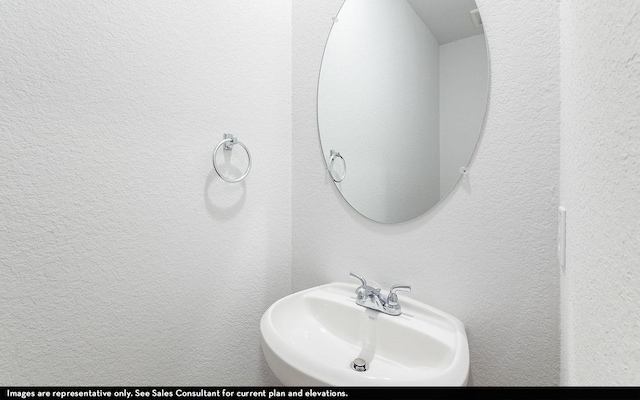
(311, 338)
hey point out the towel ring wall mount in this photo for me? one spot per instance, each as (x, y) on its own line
(228, 142)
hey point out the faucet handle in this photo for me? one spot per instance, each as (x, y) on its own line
(392, 299)
(362, 280)
(361, 291)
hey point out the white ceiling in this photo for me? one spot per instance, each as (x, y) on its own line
(448, 20)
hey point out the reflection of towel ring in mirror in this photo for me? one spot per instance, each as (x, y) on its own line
(229, 141)
(333, 155)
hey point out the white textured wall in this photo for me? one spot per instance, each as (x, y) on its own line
(378, 103)
(600, 187)
(124, 259)
(486, 254)
(464, 82)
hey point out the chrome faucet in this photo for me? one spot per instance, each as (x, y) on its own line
(370, 297)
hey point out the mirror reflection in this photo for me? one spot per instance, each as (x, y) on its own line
(402, 96)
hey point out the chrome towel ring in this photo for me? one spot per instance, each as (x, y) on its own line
(229, 141)
(333, 155)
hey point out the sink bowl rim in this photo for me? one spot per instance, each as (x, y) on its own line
(278, 351)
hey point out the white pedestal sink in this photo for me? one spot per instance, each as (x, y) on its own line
(311, 338)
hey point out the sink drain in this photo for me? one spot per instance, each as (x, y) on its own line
(359, 365)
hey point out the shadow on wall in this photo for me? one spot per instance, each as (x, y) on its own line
(224, 200)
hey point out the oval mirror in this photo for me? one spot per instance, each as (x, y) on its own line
(402, 98)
